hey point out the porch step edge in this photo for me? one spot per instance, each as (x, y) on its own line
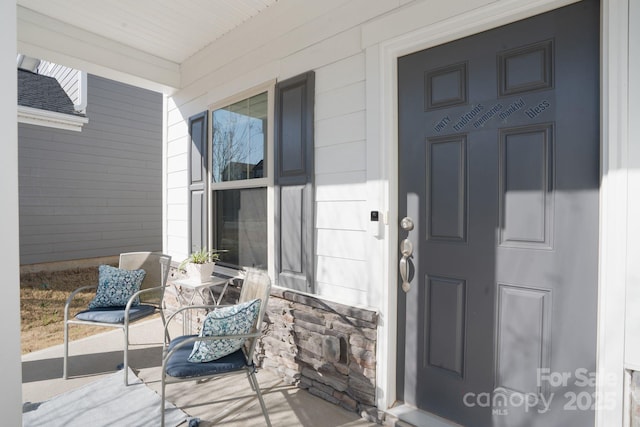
(409, 416)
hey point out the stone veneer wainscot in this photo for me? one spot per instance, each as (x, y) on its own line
(322, 346)
(325, 347)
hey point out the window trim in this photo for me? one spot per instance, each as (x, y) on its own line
(266, 182)
(268, 155)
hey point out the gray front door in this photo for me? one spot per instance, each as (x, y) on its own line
(499, 172)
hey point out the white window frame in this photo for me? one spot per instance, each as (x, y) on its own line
(265, 182)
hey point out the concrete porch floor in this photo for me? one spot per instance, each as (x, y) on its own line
(213, 402)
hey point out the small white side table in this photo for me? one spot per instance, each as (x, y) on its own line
(198, 289)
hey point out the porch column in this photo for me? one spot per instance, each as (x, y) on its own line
(11, 403)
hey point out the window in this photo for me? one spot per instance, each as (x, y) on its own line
(241, 226)
(240, 179)
(259, 210)
(239, 139)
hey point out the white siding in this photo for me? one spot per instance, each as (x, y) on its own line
(325, 37)
(341, 129)
(340, 101)
(97, 192)
(338, 39)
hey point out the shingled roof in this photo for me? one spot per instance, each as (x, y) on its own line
(44, 93)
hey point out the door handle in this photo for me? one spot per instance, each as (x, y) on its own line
(406, 249)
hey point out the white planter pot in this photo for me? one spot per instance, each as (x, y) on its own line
(200, 273)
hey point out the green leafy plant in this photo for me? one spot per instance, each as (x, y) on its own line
(203, 256)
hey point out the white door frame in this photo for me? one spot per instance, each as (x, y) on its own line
(382, 127)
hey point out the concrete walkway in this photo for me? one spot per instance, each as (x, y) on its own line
(214, 402)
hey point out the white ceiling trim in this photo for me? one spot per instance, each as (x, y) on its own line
(43, 37)
(169, 29)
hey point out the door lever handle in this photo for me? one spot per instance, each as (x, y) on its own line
(406, 249)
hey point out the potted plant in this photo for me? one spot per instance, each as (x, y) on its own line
(199, 265)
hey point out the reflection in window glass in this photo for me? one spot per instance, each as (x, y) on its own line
(241, 226)
(239, 140)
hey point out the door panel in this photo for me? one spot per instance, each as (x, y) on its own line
(499, 170)
(526, 192)
(445, 304)
(447, 188)
(522, 337)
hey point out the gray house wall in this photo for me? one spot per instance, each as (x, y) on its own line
(97, 192)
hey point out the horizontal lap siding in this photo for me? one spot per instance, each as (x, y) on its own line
(177, 229)
(325, 37)
(97, 192)
(341, 194)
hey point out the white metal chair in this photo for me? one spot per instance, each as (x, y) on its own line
(175, 364)
(151, 294)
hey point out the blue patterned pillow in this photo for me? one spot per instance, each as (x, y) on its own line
(233, 320)
(116, 286)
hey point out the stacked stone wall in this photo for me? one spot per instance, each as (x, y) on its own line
(324, 347)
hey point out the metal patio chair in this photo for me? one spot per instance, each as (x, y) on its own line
(140, 304)
(176, 363)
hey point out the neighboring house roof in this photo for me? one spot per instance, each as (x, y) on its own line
(44, 93)
(42, 101)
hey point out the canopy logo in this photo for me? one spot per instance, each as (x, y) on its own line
(568, 391)
(502, 399)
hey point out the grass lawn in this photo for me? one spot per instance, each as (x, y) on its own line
(42, 299)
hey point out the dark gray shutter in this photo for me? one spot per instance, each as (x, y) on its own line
(198, 163)
(294, 182)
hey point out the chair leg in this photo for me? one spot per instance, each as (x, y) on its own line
(256, 387)
(125, 368)
(167, 338)
(66, 351)
(253, 387)
(162, 405)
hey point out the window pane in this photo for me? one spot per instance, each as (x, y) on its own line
(241, 226)
(239, 140)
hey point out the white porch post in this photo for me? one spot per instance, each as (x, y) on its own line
(11, 403)
(613, 213)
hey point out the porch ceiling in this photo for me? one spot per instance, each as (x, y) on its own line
(144, 38)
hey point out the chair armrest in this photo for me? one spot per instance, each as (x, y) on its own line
(140, 292)
(71, 296)
(182, 310)
(134, 296)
